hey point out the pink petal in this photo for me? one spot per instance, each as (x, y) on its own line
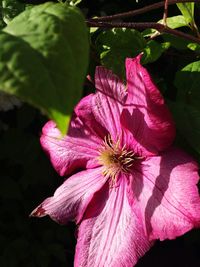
(84, 111)
(77, 150)
(110, 233)
(108, 102)
(167, 194)
(152, 125)
(72, 197)
(136, 133)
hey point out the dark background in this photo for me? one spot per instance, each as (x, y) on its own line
(27, 178)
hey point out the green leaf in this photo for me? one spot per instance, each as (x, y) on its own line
(187, 109)
(122, 43)
(75, 2)
(187, 120)
(175, 22)
(153, 50)
(172, 22)
(44, 57)
(194, 47)
(187, 10)
(119, 44)
(2, 23)
(121, 38)
(11, 8)
(176, 42)
(187, 81)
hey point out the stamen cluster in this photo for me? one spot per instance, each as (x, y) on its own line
(115, 158)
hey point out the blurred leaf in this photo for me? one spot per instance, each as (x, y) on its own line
(93, 29)
(194, 47)
(2, 23)
(187, 108)
(11, 8)
(187, 10)
(75, 2)
(55, 42)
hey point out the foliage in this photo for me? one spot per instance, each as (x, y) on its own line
(10, 9)
(187, 108)
(187, 9)
(55, 42)
(44, 58)
(122, 43)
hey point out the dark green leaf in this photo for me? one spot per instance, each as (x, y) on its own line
(2, 23)
(188, 82)
(176, 42)
(153, 50)
(187, 109)
(11, 8)
(122, 43)
(116, 45)
(121, 39)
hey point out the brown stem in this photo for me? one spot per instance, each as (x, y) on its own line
(141, 26)
(165, 12)
(142, 10)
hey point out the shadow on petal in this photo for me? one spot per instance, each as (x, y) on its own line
(174, 205)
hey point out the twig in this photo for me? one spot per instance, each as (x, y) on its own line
(141, 26)
(143, 10)
(165, 12)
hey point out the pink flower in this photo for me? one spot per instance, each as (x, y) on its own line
(128, 186)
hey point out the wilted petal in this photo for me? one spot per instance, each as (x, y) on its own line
(72, 197)
(108, 101)
(167, 194)
(110, 233)
(156, 129)
(71, 152)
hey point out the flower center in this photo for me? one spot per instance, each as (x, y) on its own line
(115, 159)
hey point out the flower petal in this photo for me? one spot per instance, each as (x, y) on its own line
(167, 194)
(72, 197)
(84, 112)
(77, 150)
(136, 133)
(110, 233)
(157, 126)
(108, 101)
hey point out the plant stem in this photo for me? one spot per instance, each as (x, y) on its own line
(141, 26)
(165, 12)
(143, 10)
